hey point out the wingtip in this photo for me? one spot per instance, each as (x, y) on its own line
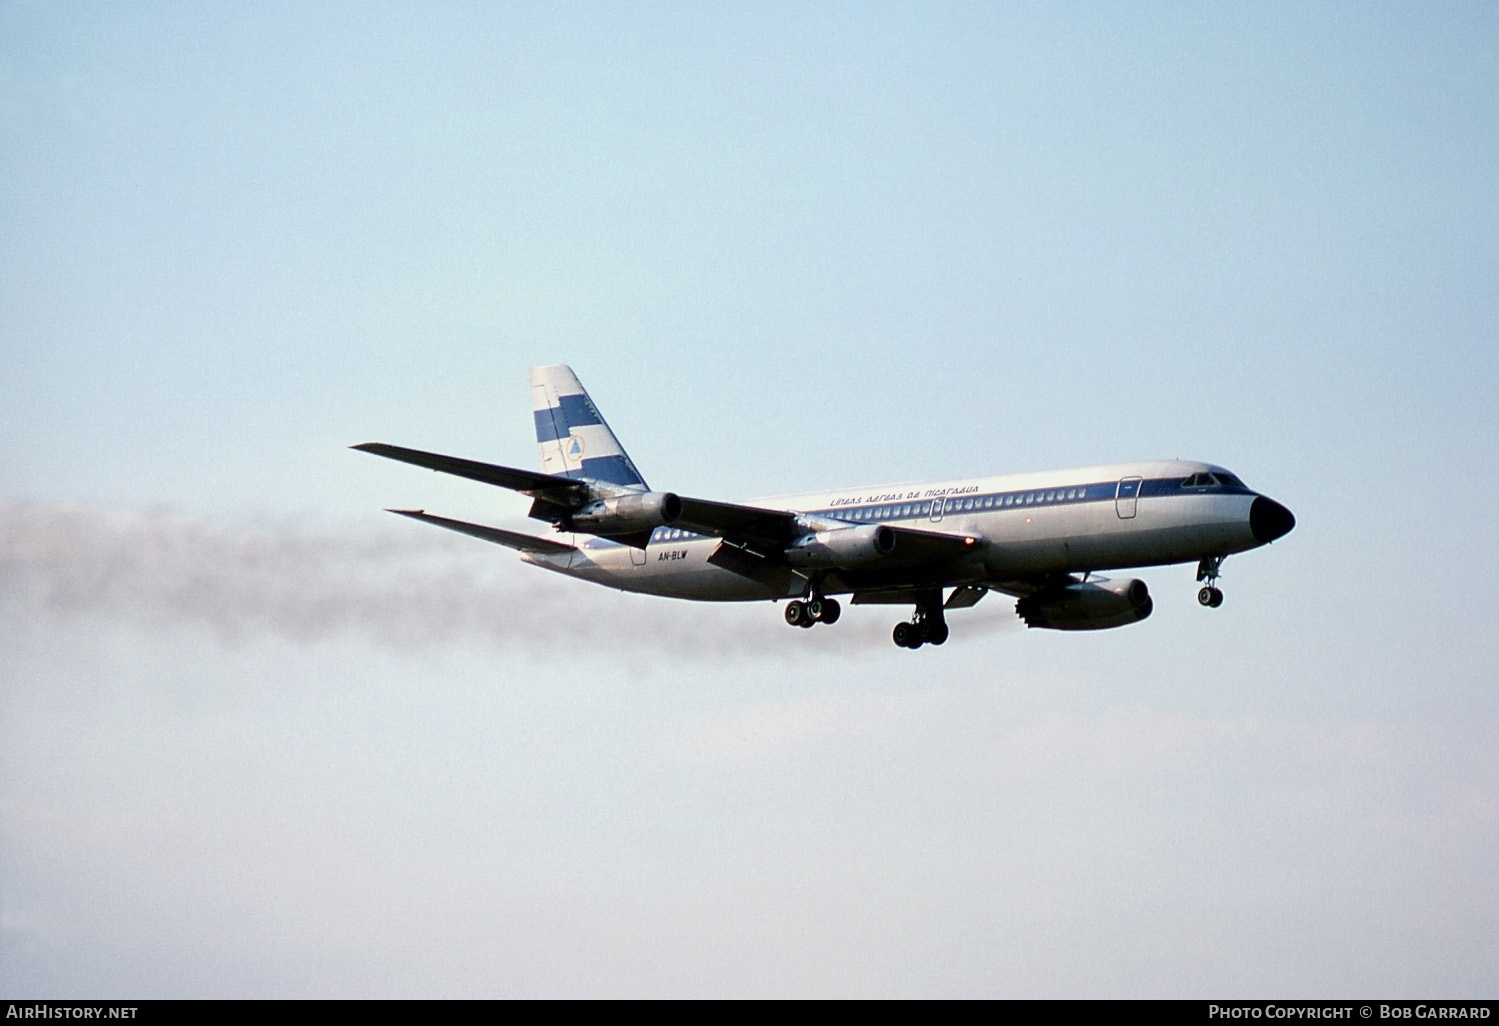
(408, 512)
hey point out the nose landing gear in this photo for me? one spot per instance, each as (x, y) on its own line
(1207, 570)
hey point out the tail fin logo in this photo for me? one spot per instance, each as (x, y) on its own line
(575, 449)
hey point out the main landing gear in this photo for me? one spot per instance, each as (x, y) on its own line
(928, 627)
(813, 611)
(1210, 595)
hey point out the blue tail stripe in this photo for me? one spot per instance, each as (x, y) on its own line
(577, 411)
(572, 411)
(612, 469)
(546, 427)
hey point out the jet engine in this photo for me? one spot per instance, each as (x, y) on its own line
(1087, 606)
(631, 513)
(842, 547)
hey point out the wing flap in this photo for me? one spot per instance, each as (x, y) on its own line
(966, 597)
(509, 539)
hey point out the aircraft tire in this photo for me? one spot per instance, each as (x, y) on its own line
(937, 633)
(797, 615)
(905, 635)
(1204, 597)
(831, 610)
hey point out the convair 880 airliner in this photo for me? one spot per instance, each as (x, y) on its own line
(1041, 538)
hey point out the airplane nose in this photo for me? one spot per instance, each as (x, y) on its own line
(1269, 520)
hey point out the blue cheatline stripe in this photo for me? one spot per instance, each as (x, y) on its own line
(571, 411)
(1027, 498)
(611, 469)
(1173, 486)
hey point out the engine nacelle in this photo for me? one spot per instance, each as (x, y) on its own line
(631, 513)
(842, 547)
(1089, 606)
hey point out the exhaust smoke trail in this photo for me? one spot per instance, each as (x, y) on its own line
(159, 571)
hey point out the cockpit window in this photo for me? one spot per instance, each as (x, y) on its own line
(1200, 480)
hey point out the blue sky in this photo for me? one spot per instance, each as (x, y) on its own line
(785, 248)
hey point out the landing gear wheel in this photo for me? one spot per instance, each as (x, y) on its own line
(927, 626)
(797, 614)
(812, 611)
(1207, 572)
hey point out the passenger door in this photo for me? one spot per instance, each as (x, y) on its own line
(1125, 497)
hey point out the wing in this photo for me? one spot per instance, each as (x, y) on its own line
(766, 532)
(527, 482)
(510, 539)
(753, 537)
(916, 546)
(762, 531)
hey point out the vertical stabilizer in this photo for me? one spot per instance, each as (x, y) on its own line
(571, 434)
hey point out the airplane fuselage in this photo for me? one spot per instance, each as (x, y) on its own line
(1110, 517)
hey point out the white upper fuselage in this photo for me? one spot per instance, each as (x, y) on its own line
(1026, 526)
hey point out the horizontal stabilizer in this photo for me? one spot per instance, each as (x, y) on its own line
(510, 539)
(529, 482)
